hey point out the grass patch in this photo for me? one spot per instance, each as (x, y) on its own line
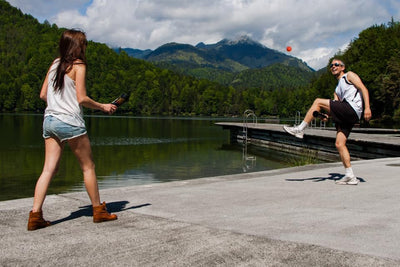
(306, 157)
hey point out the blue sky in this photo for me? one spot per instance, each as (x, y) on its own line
(316, 29)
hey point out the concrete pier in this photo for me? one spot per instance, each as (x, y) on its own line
(364, 143)
(287, 217)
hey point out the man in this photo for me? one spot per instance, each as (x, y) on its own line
(346, 110)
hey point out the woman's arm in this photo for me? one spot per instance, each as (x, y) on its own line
(79, 71)
(43, 91)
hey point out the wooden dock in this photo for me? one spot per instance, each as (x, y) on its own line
(363, 143)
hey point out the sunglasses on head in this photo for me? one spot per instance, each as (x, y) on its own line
(336, 65)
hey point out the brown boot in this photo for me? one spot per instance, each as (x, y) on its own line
(100, 214)
(36, 221)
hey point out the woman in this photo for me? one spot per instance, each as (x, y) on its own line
(64, 91)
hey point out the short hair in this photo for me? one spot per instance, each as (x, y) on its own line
(337, 59)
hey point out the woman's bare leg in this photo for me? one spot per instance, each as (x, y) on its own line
(53, 151)
(83, 152)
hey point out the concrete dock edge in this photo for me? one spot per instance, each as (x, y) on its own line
(289, 217)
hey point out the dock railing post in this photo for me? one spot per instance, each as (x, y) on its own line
(297, 118)
(322, 124)
(313, 123)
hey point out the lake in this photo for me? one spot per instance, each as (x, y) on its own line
(127, 151)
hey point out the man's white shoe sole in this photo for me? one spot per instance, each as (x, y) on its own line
(350, 182)
(298, 135)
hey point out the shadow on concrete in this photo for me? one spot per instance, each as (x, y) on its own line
(332, 177)
(87, 210)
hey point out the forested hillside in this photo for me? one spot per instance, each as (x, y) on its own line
(28, 47)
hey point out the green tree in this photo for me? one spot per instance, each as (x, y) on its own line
(390, 86)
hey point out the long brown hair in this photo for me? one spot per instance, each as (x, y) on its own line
(72, 48)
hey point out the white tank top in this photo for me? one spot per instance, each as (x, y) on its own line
(345, 90)
(63, 104)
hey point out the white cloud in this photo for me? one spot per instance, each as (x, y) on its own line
(314, 29)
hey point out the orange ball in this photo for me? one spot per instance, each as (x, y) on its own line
(288, 48)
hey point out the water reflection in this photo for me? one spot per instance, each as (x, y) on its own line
(127, 151)
(248, 161)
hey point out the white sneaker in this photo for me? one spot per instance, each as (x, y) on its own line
(350, 180)
(294, 131)
(353, 181)
(344, 180)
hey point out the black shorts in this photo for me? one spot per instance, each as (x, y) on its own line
(343, 115)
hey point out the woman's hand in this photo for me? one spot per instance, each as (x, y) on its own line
(109, 108)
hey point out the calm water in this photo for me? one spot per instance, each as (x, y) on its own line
(127, 151)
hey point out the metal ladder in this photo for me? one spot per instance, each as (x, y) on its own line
(248, 161)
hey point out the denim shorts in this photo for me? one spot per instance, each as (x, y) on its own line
(53, 127)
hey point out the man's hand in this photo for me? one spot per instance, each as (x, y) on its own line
(367, 114)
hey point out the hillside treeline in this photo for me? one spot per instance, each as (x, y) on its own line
(28, 47)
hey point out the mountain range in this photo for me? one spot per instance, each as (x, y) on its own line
(222, 62)
(27, 47)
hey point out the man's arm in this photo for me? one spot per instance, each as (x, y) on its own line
(335, 97)
(355, 79)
